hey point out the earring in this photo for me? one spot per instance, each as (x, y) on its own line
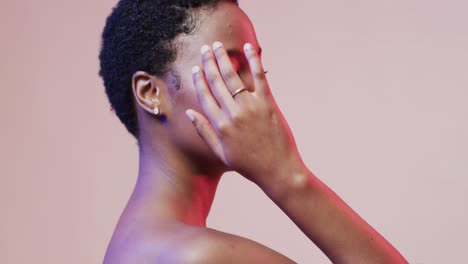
(156, 110)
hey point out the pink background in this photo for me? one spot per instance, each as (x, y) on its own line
(375, 92)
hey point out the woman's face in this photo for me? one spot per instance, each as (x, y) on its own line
(229, 25)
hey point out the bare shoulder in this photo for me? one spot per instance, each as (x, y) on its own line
(175, 244)
(206, 245)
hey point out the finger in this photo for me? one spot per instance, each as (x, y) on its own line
(215, 80)
(230, 76)
(205, 98)
(206, 131)
(256, 68)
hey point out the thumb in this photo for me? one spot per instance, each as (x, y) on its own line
(206, 131)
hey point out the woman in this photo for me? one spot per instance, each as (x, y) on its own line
(163, 61)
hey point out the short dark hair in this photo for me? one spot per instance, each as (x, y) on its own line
(140, 35)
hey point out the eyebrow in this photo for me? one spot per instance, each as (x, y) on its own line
(236, 52)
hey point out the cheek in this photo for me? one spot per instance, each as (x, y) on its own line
(236, 65)
(186, 97)
(181, 130)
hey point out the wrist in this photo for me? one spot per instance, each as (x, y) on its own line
(290, 178)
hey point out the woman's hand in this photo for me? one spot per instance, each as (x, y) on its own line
(247, 131)
(251, 136)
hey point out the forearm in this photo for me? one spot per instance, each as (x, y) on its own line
(250, 135)
(329, 222)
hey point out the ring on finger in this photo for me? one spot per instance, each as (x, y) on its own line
(240, 90)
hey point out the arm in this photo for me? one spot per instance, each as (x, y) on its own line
(250, 135)
(328, 221)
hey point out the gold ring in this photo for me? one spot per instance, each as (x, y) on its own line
(240, 90)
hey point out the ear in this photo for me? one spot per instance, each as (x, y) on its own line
(146, 91)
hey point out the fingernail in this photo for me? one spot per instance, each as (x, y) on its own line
(248, 47)
(195, 69)
(204, 49)
(189, 114)
(217, 45)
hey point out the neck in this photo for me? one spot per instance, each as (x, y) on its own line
(173, 186)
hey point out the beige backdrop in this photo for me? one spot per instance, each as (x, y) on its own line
(375, 93)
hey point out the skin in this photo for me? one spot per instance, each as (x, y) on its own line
(182, 159)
